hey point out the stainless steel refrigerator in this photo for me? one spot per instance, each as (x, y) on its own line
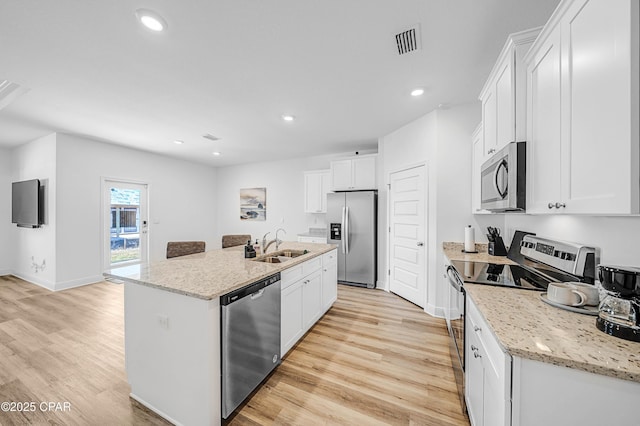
(352, 219)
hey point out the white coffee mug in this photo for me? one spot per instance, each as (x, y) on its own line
(589, 290)
(566, 294)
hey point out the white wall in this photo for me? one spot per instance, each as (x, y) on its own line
(284, 181)
(441, 140)
(617, 237)
(37, 160)
(182, 202)
(7, 231)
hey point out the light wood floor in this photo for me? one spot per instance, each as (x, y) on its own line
(372, 359)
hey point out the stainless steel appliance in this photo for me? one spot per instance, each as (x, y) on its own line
(352, 218)
(619, 312)
(540, 261)
(503, 179)
(250, 339)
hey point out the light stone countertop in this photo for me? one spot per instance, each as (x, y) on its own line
(453, 251)
(213, 273)
(529, 328)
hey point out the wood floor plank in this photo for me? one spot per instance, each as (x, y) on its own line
(374, 358)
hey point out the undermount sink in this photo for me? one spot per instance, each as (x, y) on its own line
(280, 256)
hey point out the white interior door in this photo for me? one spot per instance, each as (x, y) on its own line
(125, 223)
(407, 249)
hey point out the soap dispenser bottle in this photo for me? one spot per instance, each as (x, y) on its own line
(249, 252)
(256, 247)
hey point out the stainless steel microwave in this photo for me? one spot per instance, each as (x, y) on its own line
(503, 179)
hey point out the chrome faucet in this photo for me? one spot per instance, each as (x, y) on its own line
(278, 241)
(266, 245)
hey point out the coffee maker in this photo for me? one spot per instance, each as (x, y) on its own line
(619, 312)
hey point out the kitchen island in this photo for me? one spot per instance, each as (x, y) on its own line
(172, 325)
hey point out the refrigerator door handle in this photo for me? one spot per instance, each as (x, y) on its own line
(342, 229)
(346, 232)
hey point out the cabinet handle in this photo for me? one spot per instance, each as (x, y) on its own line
(476, 328)
(325, 270)
(476, 354)
(420, 244)
(491, 151)
(558, 205)
(473, 348)
(551, 205)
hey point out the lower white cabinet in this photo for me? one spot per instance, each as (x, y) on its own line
(487, 373)
(308, 291)
(329, 279)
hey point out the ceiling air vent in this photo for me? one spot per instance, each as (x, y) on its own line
(9, 92)
(409, 40)
(210, 137)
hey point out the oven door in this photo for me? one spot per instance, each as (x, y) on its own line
(455, 325)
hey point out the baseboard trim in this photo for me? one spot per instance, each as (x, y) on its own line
(5, 272)
(146, 405)
(65, 285)
(434, 311)
(37, 281)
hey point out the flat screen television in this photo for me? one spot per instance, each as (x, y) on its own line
(27, 204)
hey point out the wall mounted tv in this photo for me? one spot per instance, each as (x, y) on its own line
(27, 203)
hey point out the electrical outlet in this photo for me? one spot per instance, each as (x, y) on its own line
(163, 320)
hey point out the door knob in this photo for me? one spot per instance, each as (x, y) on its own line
(420, 244)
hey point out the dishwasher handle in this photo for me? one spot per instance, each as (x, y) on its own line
(254, 290)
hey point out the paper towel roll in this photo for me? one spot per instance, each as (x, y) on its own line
(469, 239)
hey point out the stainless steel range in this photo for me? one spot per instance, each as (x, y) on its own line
(540, 261)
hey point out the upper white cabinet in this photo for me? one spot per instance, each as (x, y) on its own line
(503, 97)
(316, 187)
(355, 173)
(476, 168)
(582, 133)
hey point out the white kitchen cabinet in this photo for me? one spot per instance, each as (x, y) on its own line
(547, 394)
(329, 279)
(302, 301)
(487, 373)
(357, 173)
(312, 299)
(476, 168)
(582, 137)
(291, 319)
(503, 96)
(316, 187)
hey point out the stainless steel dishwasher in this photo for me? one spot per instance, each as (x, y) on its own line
(250, 339)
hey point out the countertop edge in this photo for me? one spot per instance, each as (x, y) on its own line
(210, 296)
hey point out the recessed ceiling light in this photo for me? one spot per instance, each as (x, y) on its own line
(417, 92)
(287, 117)
(151, 20)
(178, 142)
(216, 153)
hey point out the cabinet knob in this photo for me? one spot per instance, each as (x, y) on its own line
(420, 244)
(476, 328)
(474, 348)
(491, 151)
(551, 205)
(558, 205)
(476, 354)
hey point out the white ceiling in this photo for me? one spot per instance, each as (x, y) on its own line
(233, 67)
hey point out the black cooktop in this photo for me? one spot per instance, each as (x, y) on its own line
(502, 275)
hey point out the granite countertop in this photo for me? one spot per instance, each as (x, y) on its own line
(315, 232)
(213, 273)
(453, 251)
(529, 328)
